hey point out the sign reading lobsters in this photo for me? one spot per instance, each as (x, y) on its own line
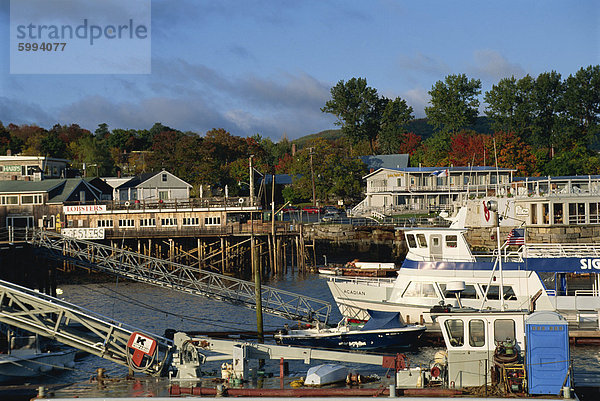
(84, 209)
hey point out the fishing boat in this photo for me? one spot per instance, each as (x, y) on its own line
(27, 357)
(383, 330)
(440, 268)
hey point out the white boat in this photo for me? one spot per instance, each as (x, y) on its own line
(382, 331)
(327, 373)
(441, 269)
(31, 361)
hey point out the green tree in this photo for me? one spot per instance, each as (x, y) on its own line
(581, 107)
(546, 99)
(509, 105)
(454, 103)
(358, 109)
(92, 150)
(337, 174)
(102, 131)
(394, 119)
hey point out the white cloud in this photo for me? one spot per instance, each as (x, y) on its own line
(490, 64)
(423, 63)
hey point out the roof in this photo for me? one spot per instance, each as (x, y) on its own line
(31, 158)
(461, 169)
(386, 161)
(20, 186)
(140, 179)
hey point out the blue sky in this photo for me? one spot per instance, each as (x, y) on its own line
(267, 66)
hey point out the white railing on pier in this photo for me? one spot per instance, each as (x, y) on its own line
(179, 277)
(560, 250)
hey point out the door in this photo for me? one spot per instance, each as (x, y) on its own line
(435, 248)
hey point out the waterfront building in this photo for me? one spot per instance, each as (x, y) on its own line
(425, 189)
(32, 168)
(39, 203)
(156, 186)
(543, 201)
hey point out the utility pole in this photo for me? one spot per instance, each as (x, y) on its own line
(251, 182)
(312, 175)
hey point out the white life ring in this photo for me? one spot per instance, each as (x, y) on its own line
(241, 200)
(127, 203)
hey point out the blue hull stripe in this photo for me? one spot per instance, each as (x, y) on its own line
(552, 265)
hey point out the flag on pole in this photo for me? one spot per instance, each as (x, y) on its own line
(516, 237)
(440, 173)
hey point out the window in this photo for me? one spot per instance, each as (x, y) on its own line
(126, 223)
(493, 293)
(451, 241)
(104, 223)
(468, 293)
(546, 213)
(533, 208)
(435, 241)
(191, 221)
(419, 289)
(163, 195)
(149, 222)
(9, 200)
(168, 222)
(456, 332)
(164, 177)
(212, 221)
(504, 329)
(576, 213)
(476, 333)
(422, 241)
(31, 199)
(594, 215)
(410, 239)
(558, 213)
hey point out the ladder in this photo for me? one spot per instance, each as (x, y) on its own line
(179, 277)
(78, 327)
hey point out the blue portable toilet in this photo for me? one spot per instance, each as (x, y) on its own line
(547, 337)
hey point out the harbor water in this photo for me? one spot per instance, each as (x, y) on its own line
(156, 309)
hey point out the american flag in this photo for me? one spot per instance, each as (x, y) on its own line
(516, 237)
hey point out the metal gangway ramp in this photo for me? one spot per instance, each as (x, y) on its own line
(77, 327)
(179, 277)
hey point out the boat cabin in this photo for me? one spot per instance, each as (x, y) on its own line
(438, 244)
(531, 347)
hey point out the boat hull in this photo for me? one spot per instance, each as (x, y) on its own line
(20, 365)
(405, 337)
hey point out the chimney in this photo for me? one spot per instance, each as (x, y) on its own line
(8, 152)
(371, 170)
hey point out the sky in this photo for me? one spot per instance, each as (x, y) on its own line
(267, 67)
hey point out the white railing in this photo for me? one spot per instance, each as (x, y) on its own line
(560, 250)
(372, 282)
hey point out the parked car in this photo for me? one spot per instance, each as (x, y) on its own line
(290, 208)
(330, 216)
(311, 209)
(330, 208)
